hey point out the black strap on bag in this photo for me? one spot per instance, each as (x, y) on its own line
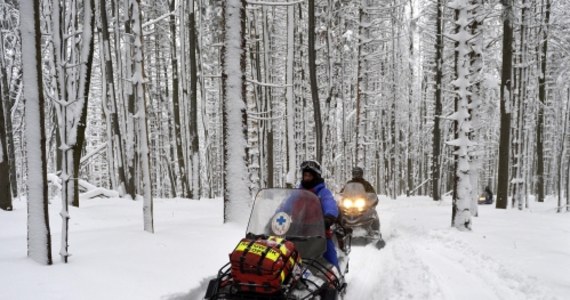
(243, 254)
(264, 254)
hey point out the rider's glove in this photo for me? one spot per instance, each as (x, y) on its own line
(329, 221)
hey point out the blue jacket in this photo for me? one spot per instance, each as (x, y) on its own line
(328, 204)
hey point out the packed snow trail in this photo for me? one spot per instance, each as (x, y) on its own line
(425, 258)
(425, 262)
(510, 254)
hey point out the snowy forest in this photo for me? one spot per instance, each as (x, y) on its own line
(204, 98)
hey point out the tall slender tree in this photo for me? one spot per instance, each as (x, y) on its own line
(110, 104)
(505, 137)
(138, 81)
(7, 155)
(5, 191)
(194, 138)
(358, 140)
(236, 185)
(436, 141)
(461, 214)
(86, 59)
(176, 101)
(39, 239)
(71, 96)
(542, 98)
(291, 144)
(314, 83)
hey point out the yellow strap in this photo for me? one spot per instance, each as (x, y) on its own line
(272, 255)
(284, 250)
(258, 249)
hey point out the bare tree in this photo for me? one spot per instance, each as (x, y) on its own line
(505, 138)
(291, 145)
(5, 191)
(138, 81)
(176, 100)
(194, 138)
(314, 83)
(542, 99)
(71, 96)
(236, 186)
(561, 155)
(6, 161)
(110, 108)
(39, 240)
(436, 143)
(462, 196)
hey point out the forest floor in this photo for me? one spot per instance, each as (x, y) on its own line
(510, 254)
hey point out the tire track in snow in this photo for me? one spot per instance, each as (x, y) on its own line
(421, 264)
(395, 272)
(464, 273)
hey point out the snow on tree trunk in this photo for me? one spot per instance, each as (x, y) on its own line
(561, 156)
(476, 57)
(505, 137)
(9, 142)
(194, 137)
(542, 98)
(39, 240)
(520, 115)
(463, 195)
(110, 107)
(236, 185)
(5, 192)
(72, 90)
(86, 62)
(567, 160)
(436, 142)
(291, 149)
(314, 84)
(60, 54)
(143, 150)
(129, 99)
(178, 103)
(358, 140)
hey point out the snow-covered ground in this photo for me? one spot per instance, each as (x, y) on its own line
(510, 254)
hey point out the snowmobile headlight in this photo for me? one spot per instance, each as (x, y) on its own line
(360, 203)
(347, 203)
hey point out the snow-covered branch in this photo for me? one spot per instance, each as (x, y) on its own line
(268, 84)
(251, 2)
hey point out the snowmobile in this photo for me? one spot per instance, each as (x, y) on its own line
(485, 199)
(282, 258)
(358, 214)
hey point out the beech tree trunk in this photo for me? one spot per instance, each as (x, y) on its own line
(505, 135)
(314, 84)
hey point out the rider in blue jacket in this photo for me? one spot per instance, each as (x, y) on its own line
(313, 182)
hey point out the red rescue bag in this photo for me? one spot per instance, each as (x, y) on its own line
(264, 265)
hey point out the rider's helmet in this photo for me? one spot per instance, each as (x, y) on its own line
(311, 166)
(357, 172)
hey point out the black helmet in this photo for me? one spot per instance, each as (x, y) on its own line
(311, 166)
(357, 172)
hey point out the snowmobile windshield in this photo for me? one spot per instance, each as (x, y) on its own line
(289, 213)
(353, 189)
(355, 196)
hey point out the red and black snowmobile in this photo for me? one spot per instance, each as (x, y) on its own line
(281, 256)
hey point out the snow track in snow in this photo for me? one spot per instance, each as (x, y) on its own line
(424, 263)
(391, 273)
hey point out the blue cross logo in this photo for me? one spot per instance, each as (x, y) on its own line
(281, 220)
